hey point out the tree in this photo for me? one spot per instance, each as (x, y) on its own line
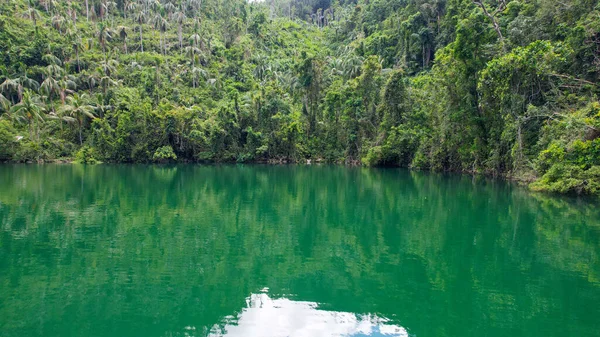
(493, 15)
(104, 35)
(394, 99)
(180, 18)
(310, 73)
(50, 87)
(59, 22)
(29, 111)
(162, 25)
(78, 107)
(129, 7)
(122, 31)
(140, 18)
(4, 104)
(76, 44)
(15, 86)
(32, 14)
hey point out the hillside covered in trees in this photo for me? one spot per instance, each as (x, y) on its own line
(499, 87)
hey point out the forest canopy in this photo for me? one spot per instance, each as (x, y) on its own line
(500, 87)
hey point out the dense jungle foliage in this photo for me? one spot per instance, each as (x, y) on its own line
(499, 87)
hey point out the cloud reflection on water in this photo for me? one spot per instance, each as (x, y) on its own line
(281, 317)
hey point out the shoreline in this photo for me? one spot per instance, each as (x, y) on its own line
(523, 180)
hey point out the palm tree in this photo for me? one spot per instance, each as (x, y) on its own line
(10, 87)
(196, 72)
(195, 5)
(107, 6)
(89, 79)
(51, 59)
(179, 17)
(104, 35)
(352, 64)
(76, 44)
(72, 12)
(191, 51)
(101, 107)
(107, 81)
(195, 40)
(162, 25)
(78, 108)
(4, 104)
(43, 3)
(30, 110)
(108, 67)
(129, 7)
(32, 14)
(49, 88)
(140, 18)
(29, 83)
(66, 85)
(262, 67)
(15, 86)
(122, 30)
(58, 22)
(170, 8)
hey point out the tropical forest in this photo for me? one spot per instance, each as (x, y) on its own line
(505, 88)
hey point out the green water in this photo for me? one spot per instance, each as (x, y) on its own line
(290, 251)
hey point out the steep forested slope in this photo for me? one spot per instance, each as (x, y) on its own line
(500, 87)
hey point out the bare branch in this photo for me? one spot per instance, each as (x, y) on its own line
(493, 16)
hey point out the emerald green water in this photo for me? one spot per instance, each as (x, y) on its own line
(290, 251)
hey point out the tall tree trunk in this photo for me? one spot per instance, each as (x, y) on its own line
(163, 43)
(180, 37)
(160, 42)
(141, 39)
(87, 10)
(194, 65)
(77, 55)
(80, 139)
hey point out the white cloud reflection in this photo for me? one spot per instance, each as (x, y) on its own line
(267, 317)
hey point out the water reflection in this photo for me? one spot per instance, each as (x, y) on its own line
(146, 251)
(281, 317)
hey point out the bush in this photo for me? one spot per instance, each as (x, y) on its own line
(86, 155)
(553, 154)
(28, 151)
(374, 156)
(398, 149)
(164, 154)
(569, 179)
(8, 142)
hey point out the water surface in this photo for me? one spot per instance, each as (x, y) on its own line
(290, 251)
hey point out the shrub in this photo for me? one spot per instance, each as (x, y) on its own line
(86, 155)
(164, 154)
(569, 179)
(8, 142)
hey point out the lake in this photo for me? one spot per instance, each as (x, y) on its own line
(134, 250)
